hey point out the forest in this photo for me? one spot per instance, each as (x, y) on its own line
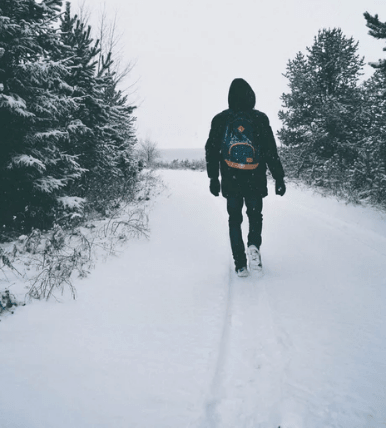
(147, 323)
(334, 123)
(68, 138)
(67, 131)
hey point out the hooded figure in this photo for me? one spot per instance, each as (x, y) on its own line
(241, 96)
(243, 185)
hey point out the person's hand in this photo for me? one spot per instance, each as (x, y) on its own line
(214, 186)
(280, 187)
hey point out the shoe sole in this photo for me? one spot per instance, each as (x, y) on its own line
(243, 275)
(255, 267)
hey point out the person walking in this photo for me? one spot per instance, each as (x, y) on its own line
(240, 146)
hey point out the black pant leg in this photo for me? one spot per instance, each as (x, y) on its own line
(234, 207)
(254, 212)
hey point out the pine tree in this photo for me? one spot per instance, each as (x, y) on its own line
(368, 174)
(377, 30)
(35, 106)
(322, 112)
(105, 143)
(369, 171)
(66, 130)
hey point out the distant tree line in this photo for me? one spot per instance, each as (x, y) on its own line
(196, 165)
(66, 131)
(334, 125)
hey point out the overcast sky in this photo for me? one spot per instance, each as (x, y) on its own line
(187, 52)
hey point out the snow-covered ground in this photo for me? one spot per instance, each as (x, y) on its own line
(166, 336)
(168, 155)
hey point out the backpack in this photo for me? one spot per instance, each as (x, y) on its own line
(240, 147)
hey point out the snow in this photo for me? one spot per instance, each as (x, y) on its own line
(165, 335)
(49, 183)
(12, 101)
(168, 155)
(27, 160)
(15, 103)
(52, 133)
(72, 202)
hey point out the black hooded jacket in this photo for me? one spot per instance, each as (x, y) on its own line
(237, 181)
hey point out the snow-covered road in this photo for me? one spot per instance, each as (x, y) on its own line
(166, 335)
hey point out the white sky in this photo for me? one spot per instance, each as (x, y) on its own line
(188, 52)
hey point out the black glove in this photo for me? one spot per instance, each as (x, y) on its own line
(280, 187)
(214, 186)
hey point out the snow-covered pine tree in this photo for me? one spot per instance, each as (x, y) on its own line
(368, 173)
(36, 107)
(104, 117)
(377, 30)
(122, 139)
(370, 167)
(321, 115)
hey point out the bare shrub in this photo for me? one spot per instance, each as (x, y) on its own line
(50, 261)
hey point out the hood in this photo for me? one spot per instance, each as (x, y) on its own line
(241, 95)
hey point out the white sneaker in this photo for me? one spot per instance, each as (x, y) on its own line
(254, 258)
(242, 272)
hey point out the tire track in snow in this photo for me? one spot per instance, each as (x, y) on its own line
(211, 418)
(254, 351)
